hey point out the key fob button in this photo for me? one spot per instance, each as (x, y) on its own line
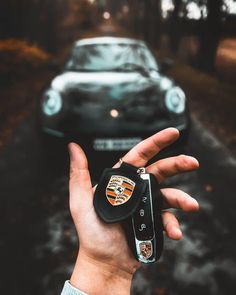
(143, 219)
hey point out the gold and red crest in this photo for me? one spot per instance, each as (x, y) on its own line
(119, 190)
(146, 249)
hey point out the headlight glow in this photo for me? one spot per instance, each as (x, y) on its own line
(175, 100)
(165, 84)
(52, 103)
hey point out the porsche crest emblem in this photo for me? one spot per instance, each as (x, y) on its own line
(119, 190)
(146, 249)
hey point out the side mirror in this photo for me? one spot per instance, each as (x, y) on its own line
(166, 64)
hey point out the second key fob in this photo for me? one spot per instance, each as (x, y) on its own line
(144, 230)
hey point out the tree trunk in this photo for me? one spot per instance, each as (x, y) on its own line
(134, 17)
(147, 20)
(175, 31)
(210, 36)
(152, 22)
(155, 28)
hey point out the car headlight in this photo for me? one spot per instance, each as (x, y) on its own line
(175, 100)
(52, 102)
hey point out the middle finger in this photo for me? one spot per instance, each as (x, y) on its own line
(175, 198)
(171, 166)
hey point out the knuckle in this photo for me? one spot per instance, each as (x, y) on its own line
(181, 201)
(182, 162)
(166, 216)
(169, 219)
(73, 173)
(142, 154)
(160, 173)
(73, 208)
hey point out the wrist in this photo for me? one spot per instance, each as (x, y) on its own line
(97, 277)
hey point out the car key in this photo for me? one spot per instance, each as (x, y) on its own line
(132, 197)
(147, 223)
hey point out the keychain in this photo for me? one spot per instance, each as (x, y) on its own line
(132, 197)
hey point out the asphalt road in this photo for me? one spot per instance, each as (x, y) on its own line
(38, 242)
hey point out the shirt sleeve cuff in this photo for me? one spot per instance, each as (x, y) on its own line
(68, 289)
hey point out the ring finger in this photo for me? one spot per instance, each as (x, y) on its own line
(175, 198)
(172, 166)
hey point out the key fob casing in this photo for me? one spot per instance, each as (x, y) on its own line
(118, 193)
(144, 229)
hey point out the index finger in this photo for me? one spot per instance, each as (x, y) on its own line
(148, 148)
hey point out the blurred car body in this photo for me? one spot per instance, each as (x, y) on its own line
(110, 95)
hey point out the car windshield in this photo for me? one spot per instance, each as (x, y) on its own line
(111, 57)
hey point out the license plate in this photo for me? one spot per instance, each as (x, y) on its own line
(115, 144)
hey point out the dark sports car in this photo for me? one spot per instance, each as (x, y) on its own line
(110, 95)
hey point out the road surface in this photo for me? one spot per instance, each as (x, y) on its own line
(38, 243)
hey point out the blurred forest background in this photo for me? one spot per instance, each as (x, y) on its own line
(198, 35)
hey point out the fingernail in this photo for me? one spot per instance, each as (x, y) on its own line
(193, 160)
(195, 203)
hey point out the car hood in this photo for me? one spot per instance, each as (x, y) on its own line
(112, 83)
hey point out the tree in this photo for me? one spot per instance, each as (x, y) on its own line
(209, 36)
(209, 30)
(175, 26)
(153, 22)
(45, 22)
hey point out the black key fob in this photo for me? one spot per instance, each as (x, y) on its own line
(144, 230)
(118, 193)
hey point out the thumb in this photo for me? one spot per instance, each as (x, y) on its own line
(80, 183)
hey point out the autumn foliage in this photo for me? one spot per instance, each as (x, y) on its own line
(19, 58)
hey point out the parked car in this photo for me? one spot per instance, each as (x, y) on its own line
(110, 95)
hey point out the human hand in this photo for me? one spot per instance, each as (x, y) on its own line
(105, 264)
